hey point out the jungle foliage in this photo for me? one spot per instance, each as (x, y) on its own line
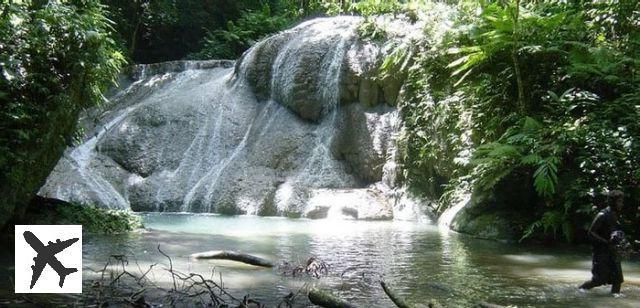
(161, 30)
(544, 89)
(56, 58)
(230, 42)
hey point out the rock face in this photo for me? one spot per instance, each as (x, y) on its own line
(298, 117)
(493, 214)
(314, 67)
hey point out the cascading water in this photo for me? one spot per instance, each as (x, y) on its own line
(321, 160)
(82, 155)
(295, 124)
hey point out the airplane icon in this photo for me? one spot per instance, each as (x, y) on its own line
(46, 255)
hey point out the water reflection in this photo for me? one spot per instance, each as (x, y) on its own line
(417, 260)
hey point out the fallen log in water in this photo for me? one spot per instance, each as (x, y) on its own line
(324, 299)
(394, 298)
(401, 303)
(233, 256)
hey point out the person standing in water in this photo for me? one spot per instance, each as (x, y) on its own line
(606, 268)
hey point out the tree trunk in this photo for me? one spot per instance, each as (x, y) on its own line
(514, 58)
(141, 9)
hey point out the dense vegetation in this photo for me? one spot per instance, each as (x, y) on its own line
(56, 58)
(542, 94)
(162, 30)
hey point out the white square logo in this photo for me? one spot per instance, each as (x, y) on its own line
(48, 259)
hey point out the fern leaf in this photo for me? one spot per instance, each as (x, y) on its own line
(546, 177)
(531, 159)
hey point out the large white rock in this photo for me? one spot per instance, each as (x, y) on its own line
(261, 136)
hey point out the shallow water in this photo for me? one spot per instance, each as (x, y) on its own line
(417, 260)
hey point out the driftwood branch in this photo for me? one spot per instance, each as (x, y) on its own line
(314, 267)
(233, 256)
(327, 300)
(401, 303)
(175, 287)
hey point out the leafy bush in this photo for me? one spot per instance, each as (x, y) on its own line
(93, 219)
(371, 29)
(375, 7)
(98, 220)
(238, 36)
(361, 7)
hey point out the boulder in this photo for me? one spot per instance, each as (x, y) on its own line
(301, 67)
(500, 213)
(361, 204)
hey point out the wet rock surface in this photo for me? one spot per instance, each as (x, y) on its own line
(362, 204)
(298, 116)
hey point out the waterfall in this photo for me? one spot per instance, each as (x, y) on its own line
(321, 160)
(82, 156)
(295, 123)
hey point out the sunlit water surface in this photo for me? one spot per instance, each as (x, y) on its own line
(418, 260)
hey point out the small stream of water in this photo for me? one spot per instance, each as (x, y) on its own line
(418, 260)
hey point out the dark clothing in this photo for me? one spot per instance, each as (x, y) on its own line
(605, 270)
(603, 226)
(606, 267)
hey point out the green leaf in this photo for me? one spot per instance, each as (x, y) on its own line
(545, 177)
(531, 159)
